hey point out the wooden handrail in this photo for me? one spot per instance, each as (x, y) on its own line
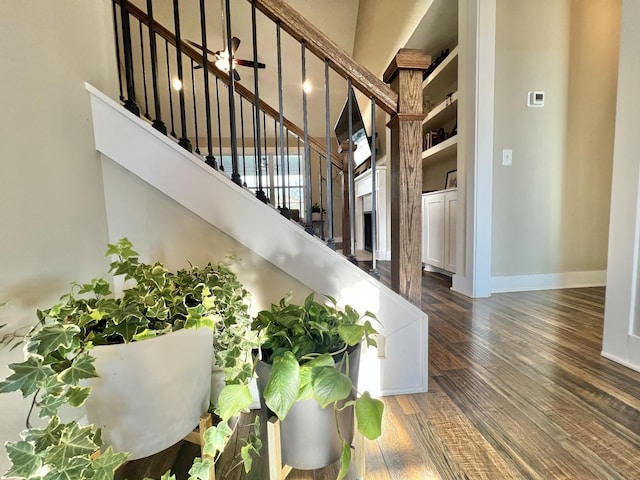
(197, 57)
(324, 48)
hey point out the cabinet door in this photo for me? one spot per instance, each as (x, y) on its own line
(450, 211)
(433, 210)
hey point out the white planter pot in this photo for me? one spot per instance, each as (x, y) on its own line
(150, 394)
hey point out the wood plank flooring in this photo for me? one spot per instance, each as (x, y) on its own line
(517, 390)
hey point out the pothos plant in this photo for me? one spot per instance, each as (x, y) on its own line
(305, 345)
(57, 358)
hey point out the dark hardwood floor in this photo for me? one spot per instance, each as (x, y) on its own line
(517, 389)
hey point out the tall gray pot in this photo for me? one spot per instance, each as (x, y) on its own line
(308, 436)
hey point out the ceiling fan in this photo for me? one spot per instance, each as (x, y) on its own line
(221, 58)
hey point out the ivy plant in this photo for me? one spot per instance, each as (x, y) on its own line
(57, 358)
(304, 344)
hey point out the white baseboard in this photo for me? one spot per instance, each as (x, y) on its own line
(548, 281)
(622, 362)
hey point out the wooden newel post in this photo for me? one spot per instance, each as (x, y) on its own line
(404, 74)
(347, 191)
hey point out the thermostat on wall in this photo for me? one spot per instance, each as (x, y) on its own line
(535, 99)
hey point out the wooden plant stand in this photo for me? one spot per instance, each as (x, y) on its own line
(197, 437)
(278, 471)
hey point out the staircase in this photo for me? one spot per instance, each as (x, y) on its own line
(217, 178)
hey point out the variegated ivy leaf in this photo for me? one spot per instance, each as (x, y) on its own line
(81, 368)
(26, 377)
(145, 335)
(76, 396)
(49, 405)
(99, 286)
(159, 310)
(72, 470)
(200, 469)
(75, 441)
(166, 476)
(51, 338)
(194, 316)
(127, 311)
(24, 459)
(215, 438)
(124, 249)
(43, 438)
(157, 275)
(128, 328)
(232, 400)
(107, 463)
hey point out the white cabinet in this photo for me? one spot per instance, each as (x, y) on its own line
(439, 229)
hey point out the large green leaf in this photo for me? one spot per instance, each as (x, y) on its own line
(52, 337)
(351, 334)
(345, 460)
(329, 386)
(75, 441)
(105, 466)
(284, 383)
(307, 374)
(26, 376)
(25, 461)
(76, 396)
(215, 438)
(232, 400)
(369, 415)
(81, 368)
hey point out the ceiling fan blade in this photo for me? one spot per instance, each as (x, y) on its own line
(236, 75)
(235, 43)
(199, 47)
(249, 63)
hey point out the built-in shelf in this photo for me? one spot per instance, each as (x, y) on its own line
(443, 113)
(443, 77)
(442, 150)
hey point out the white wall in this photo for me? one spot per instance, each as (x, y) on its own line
(52, 214)
(622, 313)
(550, 208)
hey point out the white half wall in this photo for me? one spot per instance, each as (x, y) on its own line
(399, 367)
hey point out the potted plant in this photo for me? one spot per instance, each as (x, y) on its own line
(67, 357)
(308, 376)
(317, 212)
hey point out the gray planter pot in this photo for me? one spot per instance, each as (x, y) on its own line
(308, 436)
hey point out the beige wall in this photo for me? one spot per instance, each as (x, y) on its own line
(550, 208)
(52, 212)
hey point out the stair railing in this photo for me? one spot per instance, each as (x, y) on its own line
(267, 175)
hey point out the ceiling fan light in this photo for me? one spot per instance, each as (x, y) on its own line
(223, 64)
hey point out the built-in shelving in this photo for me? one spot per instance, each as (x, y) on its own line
(443, 113)
(443, 77)
(442, 150)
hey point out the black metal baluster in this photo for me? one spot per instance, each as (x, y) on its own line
(195, 109)
(300, 183)
(331, 243)
(284, 210)
(307, 153)
(183, 141)
(158, 124)
(144, 73)
(210, 159)
(254, 37)
(166, 49)
(275, 162)
(321, 192)
(115, 27)
(288, 191)
(352, 231)
(267, 177)
(374, 230)
(130, 101)
(219, 124)
(235, 176)
(244, 163)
